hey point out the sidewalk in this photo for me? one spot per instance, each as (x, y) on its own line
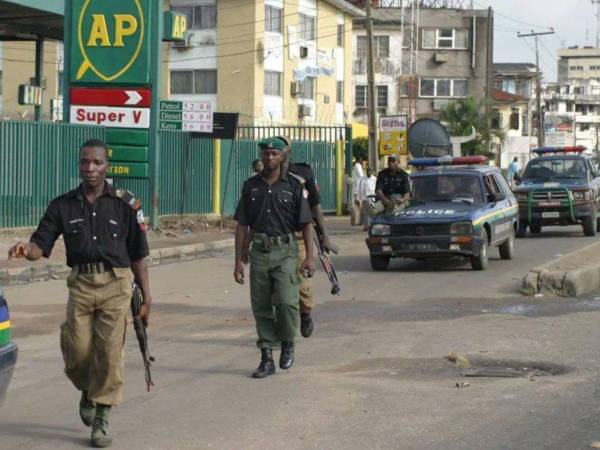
(176, 239)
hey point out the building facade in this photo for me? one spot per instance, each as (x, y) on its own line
(273, 61)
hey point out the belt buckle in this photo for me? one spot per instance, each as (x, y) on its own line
(267, 242)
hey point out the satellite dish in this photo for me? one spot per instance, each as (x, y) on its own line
(428, 138)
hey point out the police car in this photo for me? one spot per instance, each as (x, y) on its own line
(458, 207)
(8, 350)
(561, 186)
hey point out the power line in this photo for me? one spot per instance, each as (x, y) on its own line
(512, 18)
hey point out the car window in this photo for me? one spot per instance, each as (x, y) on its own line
(503, 184)
(447, 188)
(556, 168)
(493, 191)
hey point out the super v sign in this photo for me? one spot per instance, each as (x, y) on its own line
(110, 42)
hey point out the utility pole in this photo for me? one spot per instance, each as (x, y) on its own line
(538, 88)
(371, 94)
(597, 2)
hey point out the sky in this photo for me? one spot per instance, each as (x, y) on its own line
(574, 23)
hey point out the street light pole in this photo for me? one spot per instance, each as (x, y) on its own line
(371, 94)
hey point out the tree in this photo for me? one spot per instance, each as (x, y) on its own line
(360, 148)
(464, 114)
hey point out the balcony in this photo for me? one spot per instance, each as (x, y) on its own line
(383, 66)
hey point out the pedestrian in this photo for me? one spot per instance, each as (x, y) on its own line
(306, 176)
(355, 206)
(366, 194)
(105, 241)
(513, 172)
(273, 207)
(257, 166)
(392, 188)
(357, 173)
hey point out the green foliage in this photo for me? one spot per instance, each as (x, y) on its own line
(464, 114)
(360, 148)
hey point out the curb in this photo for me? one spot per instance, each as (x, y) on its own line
(563, 282)
(20, 275)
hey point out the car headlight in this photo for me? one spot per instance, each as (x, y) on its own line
(461, 228)
(522, 196)
(380, 230)
(582, 195)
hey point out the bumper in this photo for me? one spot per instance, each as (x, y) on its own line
(424, 246)
(8, 360)
(555, 215)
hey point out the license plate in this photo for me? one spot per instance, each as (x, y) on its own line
(421, 247)
(551, 215)
(549, 204)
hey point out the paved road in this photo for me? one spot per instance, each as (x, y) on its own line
(373, 376)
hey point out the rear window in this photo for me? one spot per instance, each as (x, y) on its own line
(555, 168)
(447, 188)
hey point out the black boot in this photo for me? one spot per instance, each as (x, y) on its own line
(267, 366)
(306, 324)
(286, 359)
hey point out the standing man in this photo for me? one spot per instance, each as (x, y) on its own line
(272, 208)
(306, 176)
(105, 241)
(392, 188)
(513, 172)
(366, 190)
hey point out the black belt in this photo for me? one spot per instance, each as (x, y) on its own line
(94, 267)
(273, 241)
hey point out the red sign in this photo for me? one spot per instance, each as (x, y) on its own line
(111, 97)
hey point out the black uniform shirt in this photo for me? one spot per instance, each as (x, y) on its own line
(108, 230)
(305, 171)
(274, 210)
(393, 183)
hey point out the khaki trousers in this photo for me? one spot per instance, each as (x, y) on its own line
(93, 335)
(307, 301)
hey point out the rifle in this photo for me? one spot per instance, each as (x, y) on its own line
(140, 332)
(325, 261)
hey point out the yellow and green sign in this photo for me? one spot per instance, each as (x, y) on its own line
(393, 135)
(110, 42)
(174, 26)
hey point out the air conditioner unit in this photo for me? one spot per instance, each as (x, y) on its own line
(440, 58)
(295, 89)
(183, 44)
(303, 52)
(303, 111)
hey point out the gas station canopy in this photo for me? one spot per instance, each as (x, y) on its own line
(30, 19)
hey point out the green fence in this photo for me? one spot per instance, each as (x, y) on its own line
(38, 161)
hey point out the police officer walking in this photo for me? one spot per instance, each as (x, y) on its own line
(105, 242)
(304, 173)
(392, 187)
(271, 209)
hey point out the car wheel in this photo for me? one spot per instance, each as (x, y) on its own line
(522, 229)
(535, 228)
(597, 224)
(480, 262)
(507, 248)
(589, 224)
(380, 262)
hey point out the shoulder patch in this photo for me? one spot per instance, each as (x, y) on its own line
(128, 198)
(297, 177)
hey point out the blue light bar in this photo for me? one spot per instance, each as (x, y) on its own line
(447, 161)
(547, 150)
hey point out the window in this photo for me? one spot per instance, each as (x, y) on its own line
(514, 120)
(308, 88)
(496, 120)
(339, 92)
(360, 96)
(382, 96)
(576, 68)
(404, 88)
(307, 27)
(594, 67)
(272, 19)
(194, 82)
(340, 35)
(443, 87)
(60, 82)
(273, 83)
(199, 16)
(381, 47)
(451, 38)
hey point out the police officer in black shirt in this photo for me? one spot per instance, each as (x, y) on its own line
(392, 187)
(271, 209)
(105, 241)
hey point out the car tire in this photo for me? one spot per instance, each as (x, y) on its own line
(535, 228)
(522, 229)
(589, 224)
(380, 262)
(597, 224)
(507, 248)
(480, 262)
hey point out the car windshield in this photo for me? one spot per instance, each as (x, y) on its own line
(555, 168)
(447, 188)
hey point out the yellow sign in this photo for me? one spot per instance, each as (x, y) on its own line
(393, 135)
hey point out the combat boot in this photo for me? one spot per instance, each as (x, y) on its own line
(286, 359)
(101, 436)
(306, 324)
(267, 366)
(87, 409)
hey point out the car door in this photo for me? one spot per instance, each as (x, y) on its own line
(594, 180)
(500, 223)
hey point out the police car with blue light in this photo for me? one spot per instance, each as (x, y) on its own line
(459, 207)
(561, 186)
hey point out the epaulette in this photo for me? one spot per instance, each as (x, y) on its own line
(128, 198)
(297, 177)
